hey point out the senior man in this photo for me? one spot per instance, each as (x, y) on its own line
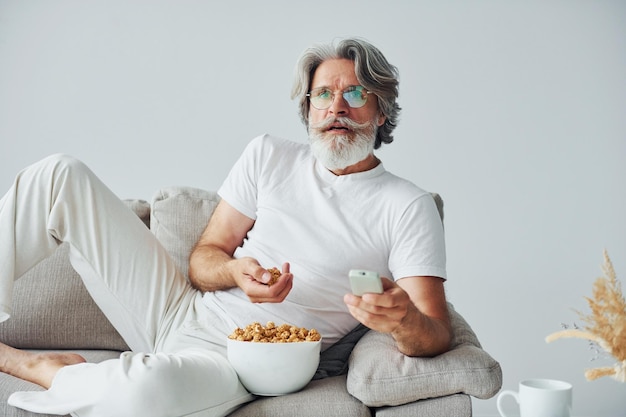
(318, 209)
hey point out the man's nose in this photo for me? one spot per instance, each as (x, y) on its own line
(338, 105)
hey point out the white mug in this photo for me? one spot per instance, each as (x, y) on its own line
(541, 398)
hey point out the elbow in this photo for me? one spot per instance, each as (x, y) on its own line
(430, 351)
(194, 272)
(438, 341)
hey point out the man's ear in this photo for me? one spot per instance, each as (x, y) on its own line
(381, 120)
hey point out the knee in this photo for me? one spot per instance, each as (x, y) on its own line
(64, 162)
(62, 167)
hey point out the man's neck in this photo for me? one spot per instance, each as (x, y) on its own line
(365, 165)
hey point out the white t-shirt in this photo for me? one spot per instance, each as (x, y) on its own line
(324, 225)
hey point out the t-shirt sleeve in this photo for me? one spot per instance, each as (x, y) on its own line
(419, 246)
(240, 188)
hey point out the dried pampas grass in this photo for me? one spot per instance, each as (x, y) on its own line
(605, 325)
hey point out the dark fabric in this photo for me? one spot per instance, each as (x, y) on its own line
(334, 360)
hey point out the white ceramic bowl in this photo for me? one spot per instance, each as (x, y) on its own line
(273, 369)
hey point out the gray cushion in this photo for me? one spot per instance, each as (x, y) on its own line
(179, 216)
(391, 378)
(53, 310)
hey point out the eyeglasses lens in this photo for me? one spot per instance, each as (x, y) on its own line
(355, 96)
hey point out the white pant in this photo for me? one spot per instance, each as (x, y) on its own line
(178, 364)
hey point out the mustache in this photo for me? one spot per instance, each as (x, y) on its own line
(344, 121)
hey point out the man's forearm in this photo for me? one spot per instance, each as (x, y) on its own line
(420, 335)
(208, 269)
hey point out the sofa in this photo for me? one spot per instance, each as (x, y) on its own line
(361, 375)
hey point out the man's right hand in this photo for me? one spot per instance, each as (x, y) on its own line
(252, 278)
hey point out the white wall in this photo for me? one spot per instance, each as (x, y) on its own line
(513, 110)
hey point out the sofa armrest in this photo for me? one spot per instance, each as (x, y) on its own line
(380, 375)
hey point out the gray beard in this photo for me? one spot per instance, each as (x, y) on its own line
(341, 151)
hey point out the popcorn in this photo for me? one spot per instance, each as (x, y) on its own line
(275, 275)
(270, 333)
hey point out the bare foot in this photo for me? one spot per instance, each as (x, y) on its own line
(39, 368)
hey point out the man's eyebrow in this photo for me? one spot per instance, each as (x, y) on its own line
(329, 88)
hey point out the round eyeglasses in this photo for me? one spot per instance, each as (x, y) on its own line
(322, 98)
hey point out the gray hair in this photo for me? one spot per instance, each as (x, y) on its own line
(372, 70)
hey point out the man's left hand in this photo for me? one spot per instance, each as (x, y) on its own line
(381, 312)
